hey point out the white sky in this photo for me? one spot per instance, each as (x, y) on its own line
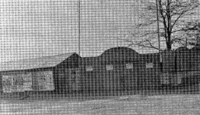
(33, 28)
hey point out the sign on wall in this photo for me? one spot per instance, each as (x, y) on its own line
(149, 65)
(17, 82)
(27, 82)
(24, 82)
(49, 80)
(44, 81)
(7, 82)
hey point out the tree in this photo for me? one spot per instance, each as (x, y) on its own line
(172, 14)
(192, 30)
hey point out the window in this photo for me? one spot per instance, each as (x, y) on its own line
(149, 65)
(129, 66)
(109, 67)
(89, 68)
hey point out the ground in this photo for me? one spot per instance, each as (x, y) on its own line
(185, 101)
(188, 104)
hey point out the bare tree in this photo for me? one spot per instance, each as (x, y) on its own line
(173, 15)
(192, 30)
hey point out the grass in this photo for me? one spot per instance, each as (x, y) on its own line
(121, 105)
(185, 101)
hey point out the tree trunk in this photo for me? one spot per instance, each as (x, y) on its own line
(169, 43)
(169, 46)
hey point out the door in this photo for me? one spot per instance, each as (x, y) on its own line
(119, 72)
(74, 79)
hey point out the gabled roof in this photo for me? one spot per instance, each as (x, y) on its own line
(41, 62)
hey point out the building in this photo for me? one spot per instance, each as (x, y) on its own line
(58, 73)
(118, 68)
(181, 66)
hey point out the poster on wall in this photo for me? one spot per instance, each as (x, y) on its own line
(49, 85)
(165, 79)
(17, 83)
(44, 81)
(7, 82)
(40, 81)
(27, 82)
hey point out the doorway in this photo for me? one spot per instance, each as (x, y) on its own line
(74, 79)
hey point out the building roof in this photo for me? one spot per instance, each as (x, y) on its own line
(196, 49)
(41, 62)
(118, 54)
(182, 49)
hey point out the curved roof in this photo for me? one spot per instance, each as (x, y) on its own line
(196, 49)
(119, 49)
(119, 54)
(182, 49)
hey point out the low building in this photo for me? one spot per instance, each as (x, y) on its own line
(58, 73)
(181, 66)
(119, 68)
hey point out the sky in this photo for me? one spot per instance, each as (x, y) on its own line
(34, 28)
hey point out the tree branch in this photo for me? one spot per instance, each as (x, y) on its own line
(171, 15)
(141, 44)
(180, 15)
(163, 17)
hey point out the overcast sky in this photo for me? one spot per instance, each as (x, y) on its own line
(33, 28)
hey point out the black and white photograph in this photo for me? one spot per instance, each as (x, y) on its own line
(100, 57)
